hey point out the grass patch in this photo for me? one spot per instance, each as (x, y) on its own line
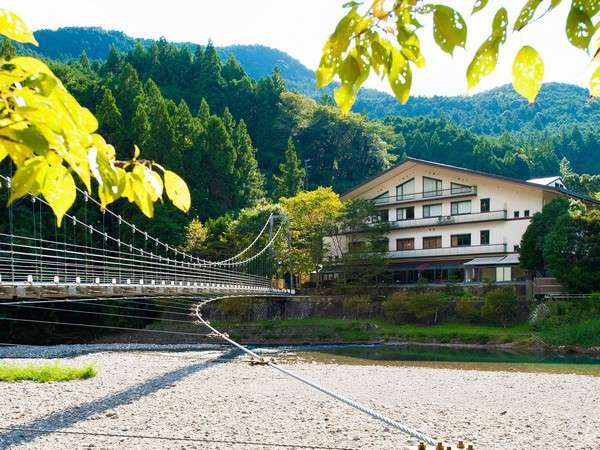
(45, 373)
(586, 333)
(318, 329)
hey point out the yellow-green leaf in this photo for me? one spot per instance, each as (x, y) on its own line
(13, 27)
(400, 76)
(579, 27)
(595, 83)
(526, 13)
(485, 59)
(177, 191)
(479, 5)
(59, 190)
(449, 28)
(528, 72)
(29, 178)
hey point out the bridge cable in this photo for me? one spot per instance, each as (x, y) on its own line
(354, 404)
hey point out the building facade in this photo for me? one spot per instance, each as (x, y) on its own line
(450, 223)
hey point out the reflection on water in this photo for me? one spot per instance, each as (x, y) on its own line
(450, 354)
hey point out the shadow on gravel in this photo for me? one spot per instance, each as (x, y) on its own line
(68, 417)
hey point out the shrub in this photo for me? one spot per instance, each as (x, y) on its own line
(467, 310)
(235, 309)
(501, 306)
(417, 307)
(356, 306)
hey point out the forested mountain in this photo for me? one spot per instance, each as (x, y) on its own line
(238, 140)
(493, 112)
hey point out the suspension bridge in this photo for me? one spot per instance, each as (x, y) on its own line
(111, 257)
(98, 267)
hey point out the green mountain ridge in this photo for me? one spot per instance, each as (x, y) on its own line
(492, 112)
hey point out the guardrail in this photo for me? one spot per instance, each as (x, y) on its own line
(449, 220)
(448, 251)
(428, 195)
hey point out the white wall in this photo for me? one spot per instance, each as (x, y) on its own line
(503, 195)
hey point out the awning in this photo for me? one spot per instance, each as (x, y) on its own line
(494, 261)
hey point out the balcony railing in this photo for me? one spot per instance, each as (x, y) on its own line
(429, 195)
(448, 220)
(449, 251)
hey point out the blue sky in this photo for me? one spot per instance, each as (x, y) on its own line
(301, 27)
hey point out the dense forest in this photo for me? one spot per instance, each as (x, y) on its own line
(239, 139)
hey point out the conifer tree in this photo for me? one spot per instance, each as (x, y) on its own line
(111, 122)
(209, 79)
(113, 61)
(291, 178)
(249, 179)
(161, 143)
(127, 90)
(219, 158)
(232, 70)
(140, 124)
(204, 112)
(84, 61)
(228, 121)
(186, 127)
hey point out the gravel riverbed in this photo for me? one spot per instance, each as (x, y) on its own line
(211, 398)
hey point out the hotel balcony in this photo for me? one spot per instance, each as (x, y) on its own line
(449, 251)
(448, 220)
(426, 196)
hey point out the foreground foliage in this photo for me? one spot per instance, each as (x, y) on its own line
(385, 36)
(45, 373)
(50, 137)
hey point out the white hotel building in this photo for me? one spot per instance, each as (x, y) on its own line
(450, 222)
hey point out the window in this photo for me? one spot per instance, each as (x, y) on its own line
(405, 213)
(485, 205)
(432, 242)
(405, 244)
(526, 213)
(382, 198)
(484, 237)
(460, 208)
(432, 210)
(516, 214)
(460, 240)
(431, 187)
(456, 188)
(406, 190)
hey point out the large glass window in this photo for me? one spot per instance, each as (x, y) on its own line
(485, 205)
(382, 198)
(460, 240)
(432, 242)
(405, 244)
(431, 187)
(432, 210)
(405, 213)
(457, 188)
(406, 190)
(484, 237)
(460, 208)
